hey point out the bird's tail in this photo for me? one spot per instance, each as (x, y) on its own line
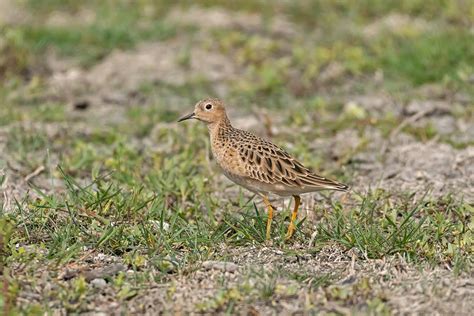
(327, 184)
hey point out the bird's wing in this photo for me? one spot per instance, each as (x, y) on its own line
(268, 163)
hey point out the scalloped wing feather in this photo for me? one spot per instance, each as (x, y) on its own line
(270, 164)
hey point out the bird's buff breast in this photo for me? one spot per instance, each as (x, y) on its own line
(234, 169)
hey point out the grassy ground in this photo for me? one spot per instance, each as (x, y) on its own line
(108, 205)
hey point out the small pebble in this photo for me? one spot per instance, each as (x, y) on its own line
(220, 265)
(99, 283)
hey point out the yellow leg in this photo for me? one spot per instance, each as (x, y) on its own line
(291, 227)
(270, 215)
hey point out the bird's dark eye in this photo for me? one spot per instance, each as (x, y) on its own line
(208, 106)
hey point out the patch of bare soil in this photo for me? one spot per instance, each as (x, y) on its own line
(11, 13)
(117, 79)
(395, 23)
(80, 18)
(435, 167)
(410, 165)
(218, 18)
(402, 163)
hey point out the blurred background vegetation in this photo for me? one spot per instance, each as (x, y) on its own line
(420, 42)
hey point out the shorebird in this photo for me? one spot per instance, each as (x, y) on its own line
(257, 164)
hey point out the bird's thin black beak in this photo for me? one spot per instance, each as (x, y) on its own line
(186, 117)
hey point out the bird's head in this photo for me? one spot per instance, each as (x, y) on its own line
(208, 111)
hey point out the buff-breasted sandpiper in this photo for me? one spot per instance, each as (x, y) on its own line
(257, 164)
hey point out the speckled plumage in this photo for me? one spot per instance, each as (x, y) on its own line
(255, 163)
(262, 166)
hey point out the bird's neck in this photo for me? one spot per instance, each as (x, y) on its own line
(219, 128)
